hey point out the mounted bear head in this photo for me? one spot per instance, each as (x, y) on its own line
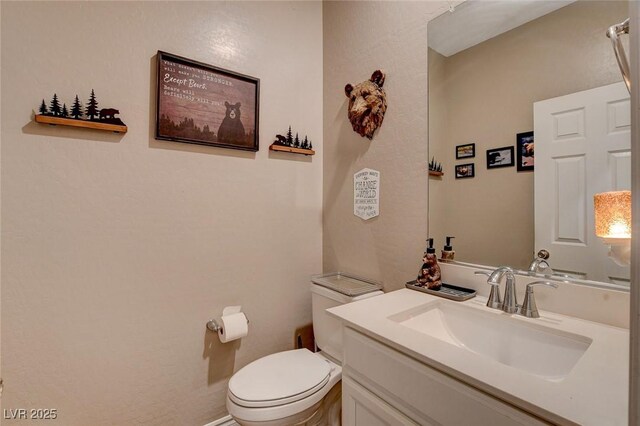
(367, 104)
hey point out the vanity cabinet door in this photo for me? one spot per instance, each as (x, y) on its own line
(361, 408)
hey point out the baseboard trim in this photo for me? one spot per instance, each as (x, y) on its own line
(224, 421)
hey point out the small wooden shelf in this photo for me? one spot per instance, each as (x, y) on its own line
(438, 174)
(282, 148)
(97, 125)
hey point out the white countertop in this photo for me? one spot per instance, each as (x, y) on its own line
(594, 393)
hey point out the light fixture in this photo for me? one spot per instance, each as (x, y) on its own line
(613, 223)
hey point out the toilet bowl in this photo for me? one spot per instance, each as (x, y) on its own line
(286, 388)
(300, 387)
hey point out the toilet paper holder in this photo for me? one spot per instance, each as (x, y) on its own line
(214, 326)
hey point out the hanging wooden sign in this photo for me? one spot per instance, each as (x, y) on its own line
(366, 193)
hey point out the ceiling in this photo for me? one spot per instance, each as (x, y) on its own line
(475, 21)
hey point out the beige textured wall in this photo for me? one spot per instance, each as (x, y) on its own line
(360, 37)
(116, 250)
(485, 95)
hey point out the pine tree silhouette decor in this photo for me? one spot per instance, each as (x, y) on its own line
(92, 106)
(54, 107)
(100, 119)
(289, 137)
(76, 108)
(290, 144)
(435, 168)
(43, 108)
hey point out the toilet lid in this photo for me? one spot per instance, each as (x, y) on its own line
(278, 379)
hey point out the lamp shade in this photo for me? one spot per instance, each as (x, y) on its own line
(613, 214)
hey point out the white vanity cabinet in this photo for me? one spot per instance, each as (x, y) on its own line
(382, 386)
(413, 358)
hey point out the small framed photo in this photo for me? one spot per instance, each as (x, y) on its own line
(500, 157)
(464, 171)
(525, 151)
(466, 151)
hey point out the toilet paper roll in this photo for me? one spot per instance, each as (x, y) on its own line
(234, 326)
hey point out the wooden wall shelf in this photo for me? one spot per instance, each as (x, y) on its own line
(438, 174)
(97, 125)
(292, 149)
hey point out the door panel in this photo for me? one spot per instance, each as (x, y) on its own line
(582, 147)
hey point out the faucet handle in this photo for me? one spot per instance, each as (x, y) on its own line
(547, 283)
(494, 297)
(529, 308)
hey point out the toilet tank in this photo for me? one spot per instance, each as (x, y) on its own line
(327, 291)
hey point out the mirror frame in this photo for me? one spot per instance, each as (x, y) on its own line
(634, 322)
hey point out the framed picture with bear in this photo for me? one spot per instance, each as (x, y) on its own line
(205, 105)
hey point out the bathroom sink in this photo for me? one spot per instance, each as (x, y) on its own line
(509, 340)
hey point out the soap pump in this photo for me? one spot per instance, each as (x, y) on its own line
(430, 275)
(447, 252)
(430, 248)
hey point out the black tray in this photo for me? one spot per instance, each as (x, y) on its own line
(447, 291)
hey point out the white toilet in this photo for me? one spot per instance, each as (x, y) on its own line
(298, 386)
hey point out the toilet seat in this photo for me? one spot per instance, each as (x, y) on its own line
(253, 400)
(280, 378)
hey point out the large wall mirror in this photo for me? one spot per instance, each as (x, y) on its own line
(535, 87)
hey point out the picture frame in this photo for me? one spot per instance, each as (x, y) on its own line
(202, 104)
(465, 151)
(500, 157)
(465, 171)
(525, 151)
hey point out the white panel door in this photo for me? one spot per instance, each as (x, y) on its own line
(582, 147)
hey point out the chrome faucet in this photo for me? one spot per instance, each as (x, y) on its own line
(510, 302)
(540, 264)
